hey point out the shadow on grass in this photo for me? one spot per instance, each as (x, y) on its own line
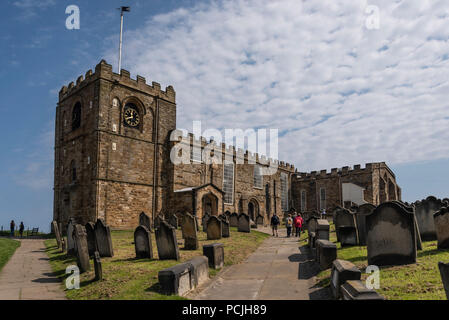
(134, 260)
(431, 252)
(156, 288)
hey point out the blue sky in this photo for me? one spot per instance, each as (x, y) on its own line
(340, 94)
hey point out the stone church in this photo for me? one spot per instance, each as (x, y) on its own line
(113, 139)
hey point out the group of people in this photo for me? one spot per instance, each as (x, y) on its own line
(12, 227)
(291, 222)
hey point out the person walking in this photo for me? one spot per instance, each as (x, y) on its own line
(21, 228)
(289, 225)
(323, 214)
(274, 224)
(12, 227)
(298, 225)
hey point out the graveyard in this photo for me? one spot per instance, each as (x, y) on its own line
(7, 249)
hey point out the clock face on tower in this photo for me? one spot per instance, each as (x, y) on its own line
(131, 117)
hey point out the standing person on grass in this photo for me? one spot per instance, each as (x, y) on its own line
(21, 228)
(274, 224)
(12, 226)
(298, 225)
(289, 225)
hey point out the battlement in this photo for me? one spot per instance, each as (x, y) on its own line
(178, 136)
(342, 171)
(103, 70)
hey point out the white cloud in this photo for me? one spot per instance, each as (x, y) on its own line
(342, 94)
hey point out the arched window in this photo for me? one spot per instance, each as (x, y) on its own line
(76, 116)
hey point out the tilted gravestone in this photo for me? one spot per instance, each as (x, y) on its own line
(104, 239)
(204, 222)
(70, 239)
(234, 220)
(157, 221)
(167, 245)
(97, 266)
(225, 231)
(57, 233)
(391, 235)
(213, 228)
(82, 251)
(91, 238)
(259, 220)
(173, 220)
(244, 225)
(189, 232)
(142, 243)
(144, 220)
(424, 211)
(215, 255)
(197, 224)
(326, 253)
(322, 229)
(346, 227)
(444, 272)
(442, 227)
(342, 271)
(360, 215)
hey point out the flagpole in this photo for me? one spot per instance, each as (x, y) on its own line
(120, 45)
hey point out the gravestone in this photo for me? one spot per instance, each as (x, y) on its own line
(204, 222)
(346, 227)
(322, 229)
(326, 253)
(142, 243)
(244, 225)
(70, 240)
(225, 231)
(312, 238)
(104, 240)
(356, 290)
(412, 209)
(227, 214)
(424, 211)
(158, 220)
(167, 245)
(252, 224)
(342, 271)
(311, 224)
(189, 232)
(213, 228)
(215, 255)
(173, 221)
(444, 272)
(234, 220)
(144, 220)
(441, 219)
(57, 233)
(82, 250)
(363, 211)
(259, 220)
(97, 266)
(222, 217)
(91, 239)
(391, 235)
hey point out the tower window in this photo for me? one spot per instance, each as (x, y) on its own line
(76, 116)
(258, 176)
(228, 183)
(322, 198)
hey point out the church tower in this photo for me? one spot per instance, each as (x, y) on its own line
(111, 148)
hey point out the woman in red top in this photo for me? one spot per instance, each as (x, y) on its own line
(298, 224)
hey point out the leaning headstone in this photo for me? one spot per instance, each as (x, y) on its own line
(104, 239)
(225, 230)
(322, 229)
(342, 271)
(57, 233)
(259, 220)
(142, 243)
(70, 239)
(424, 211)
(391, 235)
(82, 250)
(326, 253)
(144, 220)
(213, 228)
(234, 220)
(215, 255)
(157, 221)
(173, 221)
(189, 232)
(356, 290)
(441, 219)
(97, 266)
(204, 222)
(244, 225)
(167, 245)
(444, 272)
(91, 239)
(363, 211)
(346, 227)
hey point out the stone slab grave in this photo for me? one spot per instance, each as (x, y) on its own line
(214, 229)
(91, 238)
(189, 232)
(360, 216)
(183, 278)
(82, 250)
(215, 255)
(441, 219)
(104, 239)
(356, 290)
(97, 266)
(326, 253)
(58, 236)
(244, 224)
(391, 235)
(142, 243)
(424, 211)
(346, 227)
(173, 220)
(444, 272)
(144, 220)
(70, 240)
(234, 220)
(167, 245)
(342, 271)
(260, 220)
(204, 222)
(322, 229)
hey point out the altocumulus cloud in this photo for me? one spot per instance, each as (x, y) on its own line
(338, 92)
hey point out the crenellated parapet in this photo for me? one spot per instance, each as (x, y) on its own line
(103, 71)
(346, 170)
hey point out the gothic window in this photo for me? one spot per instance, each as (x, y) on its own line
(267, 199)
(258, 179)
(228, 183)
(303, 200)
(284, 192)
(76, 116)
(322, 198)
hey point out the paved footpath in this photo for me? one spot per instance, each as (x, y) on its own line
(28, 275)
(280, 269)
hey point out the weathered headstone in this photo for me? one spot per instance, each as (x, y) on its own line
(441, 219)
(391, 235)
(225, 230)
(204, 222)
(104, 239)
(311, 224)
(234, 220)
(322, 229)
(144, 220)
(97, 266)
(342, 271)
(215, 255)
(213, 228)
(244, 225)
(189, 232)
(167, 245)
(57, 233)
(91, 238)
(356, 290)
(326, 253)
(346, 227)
(173, 221)
(259, 220)
(424, 211)
(363, 211)
(158, 220)
(82, 251)
(70, 239)
(444, 272)
(142, 243)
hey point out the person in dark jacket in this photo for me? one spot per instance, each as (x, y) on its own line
(21, 228)
(12, 227)
(274, 224)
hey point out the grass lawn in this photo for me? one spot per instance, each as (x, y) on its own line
(420, 281)
(125, 277)
(7, 249)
